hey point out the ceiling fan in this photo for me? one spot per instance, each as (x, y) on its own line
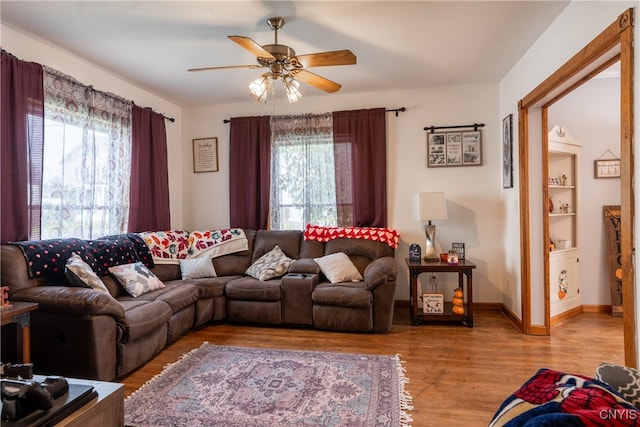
(285, 65)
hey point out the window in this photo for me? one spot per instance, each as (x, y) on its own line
(303, 178)
(86, 161)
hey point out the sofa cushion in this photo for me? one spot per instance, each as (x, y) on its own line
(354, 295)
(270, 265)
(177, 295)
(288, 240)
(141, 318)
(136, 278)
(622, 379)
(197, 268)
(251, 289)
(80, 274)
(338, 268)
(210, 287)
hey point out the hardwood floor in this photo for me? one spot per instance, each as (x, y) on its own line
(457, 375)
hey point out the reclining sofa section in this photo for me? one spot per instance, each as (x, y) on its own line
(81, 332)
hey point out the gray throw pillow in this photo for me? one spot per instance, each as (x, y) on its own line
(622, 379)
(136, 278)
(270, 265)
(80, 274)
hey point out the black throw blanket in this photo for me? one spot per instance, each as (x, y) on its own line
(47, 258)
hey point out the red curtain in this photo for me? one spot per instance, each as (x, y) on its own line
(249, 175)
(21, 148)
(366, 131)
(149, 199)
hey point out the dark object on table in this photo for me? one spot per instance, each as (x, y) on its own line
(20, 397)
(17, 371)
(415, 253)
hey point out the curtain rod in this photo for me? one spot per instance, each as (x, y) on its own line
(397, 110)
(171, 119)
(475, 126)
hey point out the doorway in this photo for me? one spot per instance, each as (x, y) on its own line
(615, 43)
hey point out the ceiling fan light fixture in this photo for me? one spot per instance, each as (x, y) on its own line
(259, 88)
(291, 87)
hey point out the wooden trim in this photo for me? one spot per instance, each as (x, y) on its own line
(545, 219)
(563, 317)
(488, 306)
(619, 33)
(540, 330)
(585, 79)
(603, 42)
(627, 197)
(512, 317)
(402, 303)
(593, 308)
(525, 219)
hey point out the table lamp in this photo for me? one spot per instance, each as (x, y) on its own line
(430, 207)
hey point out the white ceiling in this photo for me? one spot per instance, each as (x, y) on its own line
(399, 44)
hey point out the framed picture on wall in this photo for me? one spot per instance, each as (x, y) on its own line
(609, 168)
(205, 155)
(454, 148)
(507, 152)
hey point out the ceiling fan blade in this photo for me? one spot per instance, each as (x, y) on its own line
(225, 67)
(251, 46)
(324, 59)
(316, 80)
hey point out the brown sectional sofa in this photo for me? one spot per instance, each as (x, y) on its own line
(80, 332)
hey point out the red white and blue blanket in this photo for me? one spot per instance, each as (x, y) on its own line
(552, 398)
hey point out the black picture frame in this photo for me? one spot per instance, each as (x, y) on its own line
(507, 151)
(455, 148)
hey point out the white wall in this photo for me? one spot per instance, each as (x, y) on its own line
(472, 193)
(576, 26)
(591, 114)
(28, 48)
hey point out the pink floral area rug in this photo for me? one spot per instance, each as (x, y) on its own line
(240, 386)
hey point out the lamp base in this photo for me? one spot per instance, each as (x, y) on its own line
(430, 253)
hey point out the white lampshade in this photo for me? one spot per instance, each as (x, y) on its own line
(430, 207)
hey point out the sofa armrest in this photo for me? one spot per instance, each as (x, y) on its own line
(381, 270)
(72, 301)
(304, 266)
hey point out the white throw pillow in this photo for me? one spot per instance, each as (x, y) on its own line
(338, 268)
(197, 268)
(80, 274)
(136, 278)
(270, 265)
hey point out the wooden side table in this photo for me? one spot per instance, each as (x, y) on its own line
(20, 313)
(464, 268)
